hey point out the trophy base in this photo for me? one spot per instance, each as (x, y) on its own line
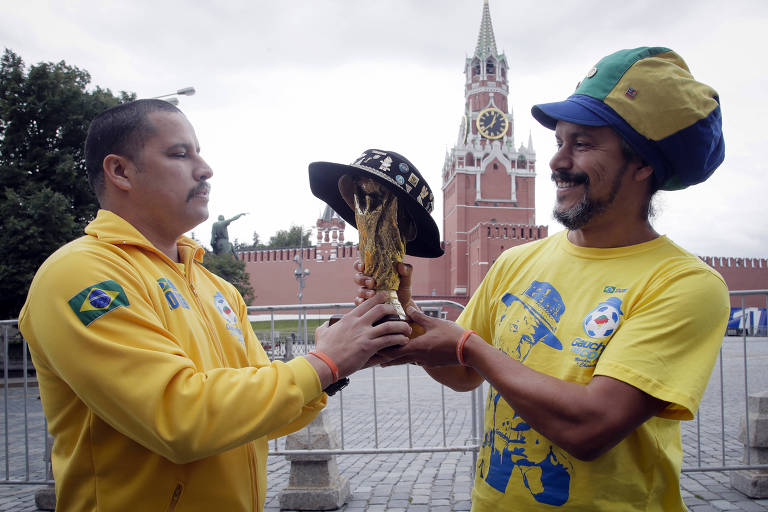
(399, 315)
(388, 318)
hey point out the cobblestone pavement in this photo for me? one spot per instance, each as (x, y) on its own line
(440, 481)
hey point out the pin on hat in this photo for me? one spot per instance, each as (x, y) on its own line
(649, 96)
(400, 176)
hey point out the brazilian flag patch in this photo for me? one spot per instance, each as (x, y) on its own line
(98, 300)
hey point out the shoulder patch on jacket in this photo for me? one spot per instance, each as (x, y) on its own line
(98, 300)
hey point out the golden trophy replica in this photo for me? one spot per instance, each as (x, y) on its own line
(385, 197)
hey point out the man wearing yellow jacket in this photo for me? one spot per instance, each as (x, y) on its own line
(157, 392)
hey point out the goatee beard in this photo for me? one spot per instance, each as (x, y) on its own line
(577, 216)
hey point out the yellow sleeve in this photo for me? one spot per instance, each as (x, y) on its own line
(311, 409)
(131, 371)
(481, 309)
(668, 345)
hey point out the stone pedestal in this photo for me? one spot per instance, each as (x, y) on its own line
(315, 483)
(45, 497)
(754, 483)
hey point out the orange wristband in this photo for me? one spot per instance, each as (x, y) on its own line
(460, 345)
(328, 361)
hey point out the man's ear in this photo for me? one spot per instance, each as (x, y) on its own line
(642, 171)
(115, 171)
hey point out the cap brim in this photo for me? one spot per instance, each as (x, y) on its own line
(548, 114)
(324, 180)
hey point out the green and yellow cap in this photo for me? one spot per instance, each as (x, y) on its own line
(649, 96)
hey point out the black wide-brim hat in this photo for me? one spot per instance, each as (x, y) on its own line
(400, 176)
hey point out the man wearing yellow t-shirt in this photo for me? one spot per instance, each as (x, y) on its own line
(598, 340)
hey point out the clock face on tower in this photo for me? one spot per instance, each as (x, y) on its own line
(492, 123)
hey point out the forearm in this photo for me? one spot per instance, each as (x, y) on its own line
(163, 402)
(585, 420)
(200, 414)
(458, 378)
(322, 369)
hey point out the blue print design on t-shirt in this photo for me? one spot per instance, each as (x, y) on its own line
(508, 442)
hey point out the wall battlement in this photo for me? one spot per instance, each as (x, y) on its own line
(505, 231)
(321, 252)
(720, 262)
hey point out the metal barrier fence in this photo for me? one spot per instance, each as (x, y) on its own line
(454, 420)
(302, 345)
(725, 404)
(23, 418)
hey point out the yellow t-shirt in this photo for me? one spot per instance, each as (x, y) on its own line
(651, 315)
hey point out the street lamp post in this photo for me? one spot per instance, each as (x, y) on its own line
(185, 91)
(301, 274)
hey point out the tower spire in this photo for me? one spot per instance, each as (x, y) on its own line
(486, 41)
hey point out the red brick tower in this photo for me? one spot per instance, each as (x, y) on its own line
(488, 185)
(330, 234)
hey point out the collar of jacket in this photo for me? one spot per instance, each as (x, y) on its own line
(111, 228)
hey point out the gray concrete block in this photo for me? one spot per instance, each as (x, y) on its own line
(313, 473)
(751, 483)
(314, 482)
(45, 498)
(758, 430)
(755, 455)
(331, 497)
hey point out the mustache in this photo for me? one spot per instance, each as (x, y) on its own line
(574, 177)
(203, 187)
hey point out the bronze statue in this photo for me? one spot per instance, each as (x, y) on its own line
(220, 236)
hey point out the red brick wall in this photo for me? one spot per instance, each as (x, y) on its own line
(330, 280)
(495, 183)
(742, 274)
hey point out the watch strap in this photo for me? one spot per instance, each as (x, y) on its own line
(336, 386)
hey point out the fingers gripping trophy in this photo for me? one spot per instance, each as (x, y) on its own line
(386, 198)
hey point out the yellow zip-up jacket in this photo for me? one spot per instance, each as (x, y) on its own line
(157, 392)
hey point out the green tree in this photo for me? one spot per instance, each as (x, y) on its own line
(45, 199)
(237, 245)
(293, 237)
(256, 242)
(231, 270)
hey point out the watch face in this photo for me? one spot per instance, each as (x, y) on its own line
(492, 123)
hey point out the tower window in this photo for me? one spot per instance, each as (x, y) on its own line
(495, 165)
(490, 67)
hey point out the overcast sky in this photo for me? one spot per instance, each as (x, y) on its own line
(282, 84)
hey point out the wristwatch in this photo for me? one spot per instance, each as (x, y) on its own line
(336, 386)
